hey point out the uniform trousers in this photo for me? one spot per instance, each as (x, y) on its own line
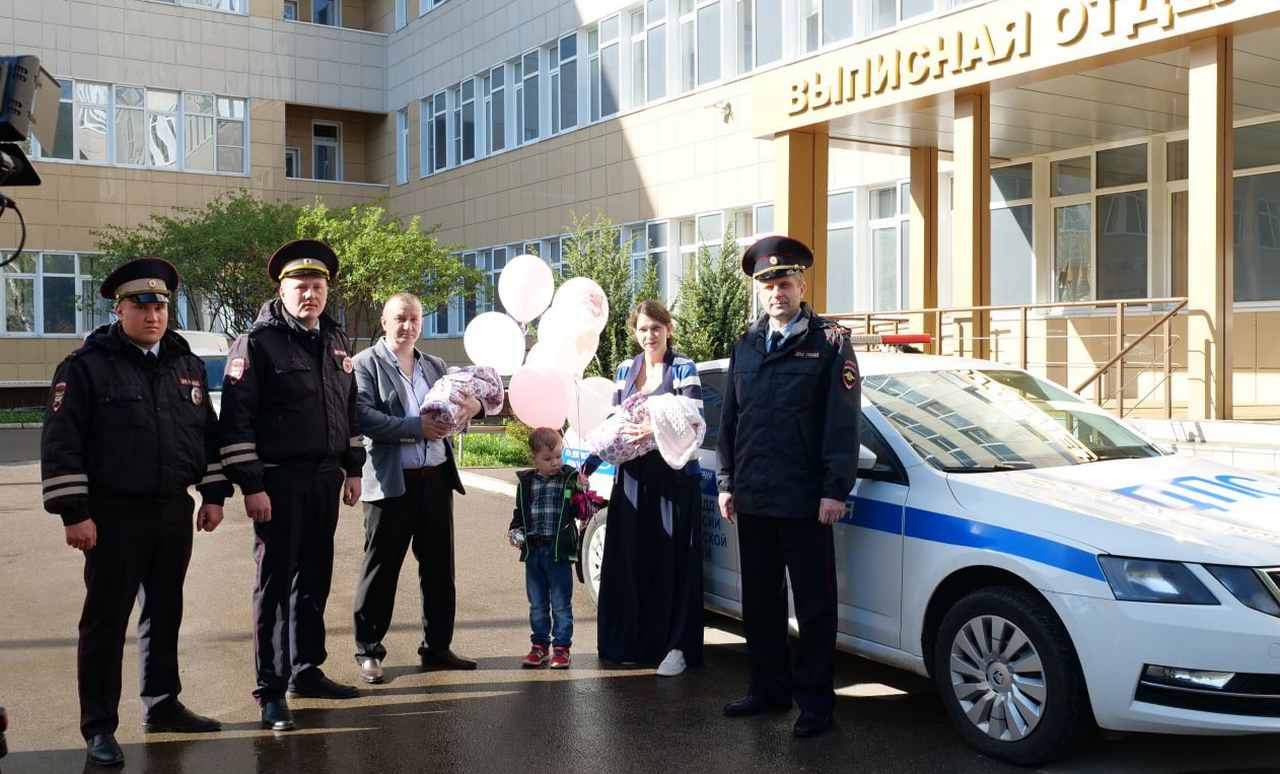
(294, 554)
(772, 550)
(142, 553)
(422, 517)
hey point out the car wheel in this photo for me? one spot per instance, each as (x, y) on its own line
(1009, 677)
(593, 554)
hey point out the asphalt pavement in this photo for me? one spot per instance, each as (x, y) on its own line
(498, 718)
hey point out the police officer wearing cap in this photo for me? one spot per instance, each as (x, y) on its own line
(788, 455)
(127, 429)
(289, 441)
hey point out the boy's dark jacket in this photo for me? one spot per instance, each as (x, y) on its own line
(566, 542)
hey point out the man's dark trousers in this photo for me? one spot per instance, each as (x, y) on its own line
(294, 552)
(421, 517)
(142, 554)
(771, 550)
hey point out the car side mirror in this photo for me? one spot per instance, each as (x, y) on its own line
(866, 459)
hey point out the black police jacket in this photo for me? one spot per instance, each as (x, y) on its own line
(789, 429)
(119, 429)
(289, 397)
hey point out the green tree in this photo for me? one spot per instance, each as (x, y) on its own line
(714, 302)
(648, 286)
(382, 256)
(220, 250)
(593, 249)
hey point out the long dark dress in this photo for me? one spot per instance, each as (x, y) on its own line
(651, 576)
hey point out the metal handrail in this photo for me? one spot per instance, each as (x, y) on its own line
(933, 319)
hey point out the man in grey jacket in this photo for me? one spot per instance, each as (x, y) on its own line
(410, 476)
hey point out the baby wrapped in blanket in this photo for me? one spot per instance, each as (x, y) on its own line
(676, 429)
(446, 396)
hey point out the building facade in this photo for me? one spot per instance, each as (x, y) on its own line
(943, 157)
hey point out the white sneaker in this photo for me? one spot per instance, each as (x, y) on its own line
(672, 665)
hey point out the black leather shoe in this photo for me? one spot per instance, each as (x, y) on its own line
(313, 684)
(172, 715)
(811, 724)
(754, 705)
(103, 751)
(445, 659)
(276, 715)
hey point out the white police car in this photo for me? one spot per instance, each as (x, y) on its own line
(1046, 565)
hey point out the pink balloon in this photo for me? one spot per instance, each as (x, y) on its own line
(567, 340)
(540, 396)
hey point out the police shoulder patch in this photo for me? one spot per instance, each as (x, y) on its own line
(59, 393)
(835, 334)
(849, 374)
(236, 368)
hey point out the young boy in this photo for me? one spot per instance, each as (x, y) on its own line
(543, 528)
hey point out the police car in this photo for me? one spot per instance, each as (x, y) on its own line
(1042, 562)
(212, 348)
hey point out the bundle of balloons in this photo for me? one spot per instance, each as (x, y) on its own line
(547, 388)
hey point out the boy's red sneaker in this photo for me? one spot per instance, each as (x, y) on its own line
(537, 657)
(559, 658)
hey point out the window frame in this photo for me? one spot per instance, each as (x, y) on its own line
(337, 144)
(402, 146)
(85, 294)
(296, 152)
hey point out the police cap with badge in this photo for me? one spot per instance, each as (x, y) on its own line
(143, 280)
(772, 257)
(303, 257)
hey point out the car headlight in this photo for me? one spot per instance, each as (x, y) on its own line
(1246, 586)
(1148, 580)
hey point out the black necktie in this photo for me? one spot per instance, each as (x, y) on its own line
(151, 358)
(775, 341)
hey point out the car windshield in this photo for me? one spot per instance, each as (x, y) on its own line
(971, 421)
(214, 365)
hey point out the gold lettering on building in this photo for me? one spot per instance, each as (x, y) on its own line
(987, 45)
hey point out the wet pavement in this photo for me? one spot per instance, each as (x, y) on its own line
(498, 718)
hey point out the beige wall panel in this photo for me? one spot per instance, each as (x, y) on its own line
(1267, 347)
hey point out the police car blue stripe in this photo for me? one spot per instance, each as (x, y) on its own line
(875, 514)
(957, 531)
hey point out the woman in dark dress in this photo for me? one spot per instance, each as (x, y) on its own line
(650, 606)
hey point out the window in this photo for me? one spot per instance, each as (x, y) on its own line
(764, 219)
(326, 151)
(527, 98)
(400, 14)
(91, 111)
(806, 25)
(655, 78)
(326, 12)
(455, 122)
(231, 139)
(637, 62)
(440, 132)
(1257, 145)
(130, 119)
(837, 20)
(841, 257)
(427, 5)
(467, 121)
(291, 10)
(699, 25)
(1072, 261)
(1257, 237)
(606, 68)
(292, 161)
(496, 109)
(402, 146)
(226, 6)
(759, 34)
(1012, 253)
(882, 14)
(135, 126)
(687, 45)
(199, 121)
(887, 225)
(50, 294)
(564, 83)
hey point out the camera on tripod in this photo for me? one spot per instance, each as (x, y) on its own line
(28, 106)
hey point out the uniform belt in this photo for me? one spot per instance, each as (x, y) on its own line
(434, 471)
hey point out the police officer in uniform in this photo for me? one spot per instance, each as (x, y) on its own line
(128, 428)
(789, 455)
(289, 440)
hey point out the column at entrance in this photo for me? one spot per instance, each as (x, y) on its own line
(971, 206)
(800, 200)
(1210, 259)
(922, 263)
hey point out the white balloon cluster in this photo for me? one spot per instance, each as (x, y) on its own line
(546, 387)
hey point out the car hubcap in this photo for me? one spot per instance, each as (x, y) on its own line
(997, 678)
(595, 558)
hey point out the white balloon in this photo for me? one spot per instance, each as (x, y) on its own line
(493, 339)
(567, 340)
(592, 404)
(582, 293)
(526, 287)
